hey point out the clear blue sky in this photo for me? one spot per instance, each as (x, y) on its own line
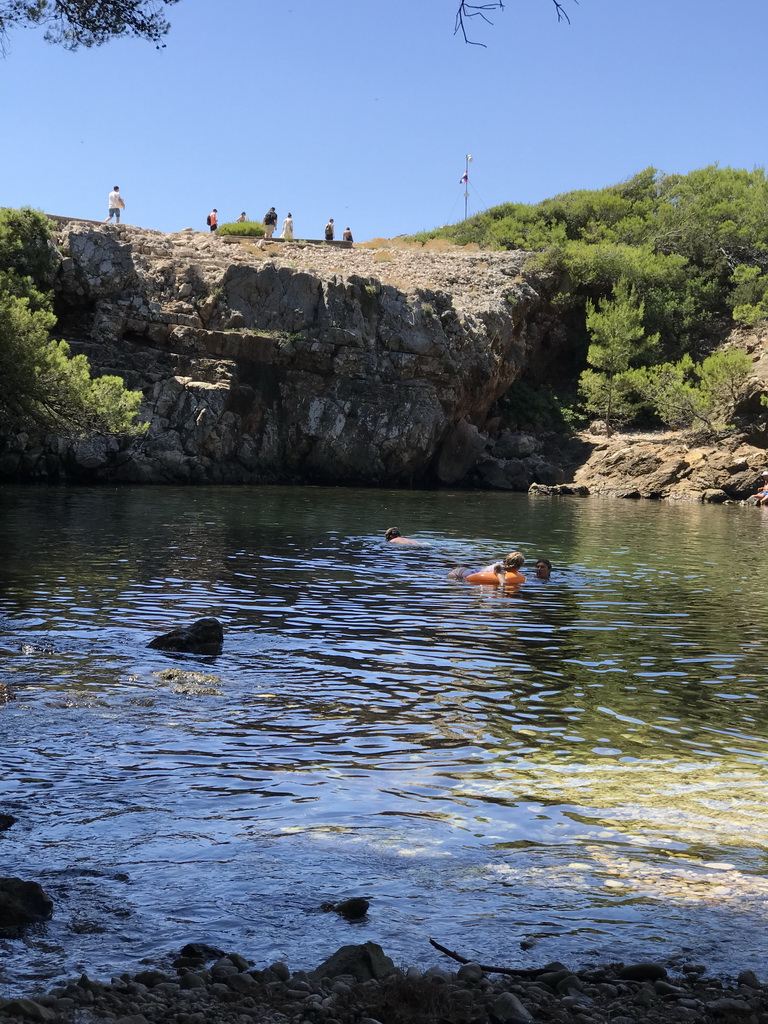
(363, 110)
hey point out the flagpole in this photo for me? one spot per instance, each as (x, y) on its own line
(466, 185)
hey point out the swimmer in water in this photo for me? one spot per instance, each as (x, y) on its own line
(393, 536)
(543, 568)
(506, 572)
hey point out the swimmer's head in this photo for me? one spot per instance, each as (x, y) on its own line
(391, 533)
(513, 561)
(543, 568)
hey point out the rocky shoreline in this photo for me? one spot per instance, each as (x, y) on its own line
(361, 985)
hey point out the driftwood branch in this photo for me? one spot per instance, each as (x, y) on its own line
(516, 973)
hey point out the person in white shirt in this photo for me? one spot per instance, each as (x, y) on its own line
(116, 204)
(287, 231)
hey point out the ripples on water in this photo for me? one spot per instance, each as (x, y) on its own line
(580, 762)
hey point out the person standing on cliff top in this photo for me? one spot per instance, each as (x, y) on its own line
(287, 231)
(329, 229)
(212, 219)
(270, 222)
(116, 204)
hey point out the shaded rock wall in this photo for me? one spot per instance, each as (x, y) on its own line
(362, 366)
(365, 366)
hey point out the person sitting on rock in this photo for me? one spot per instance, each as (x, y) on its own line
(394, 536)
(506, 572)
(762, 495)
(543, 568)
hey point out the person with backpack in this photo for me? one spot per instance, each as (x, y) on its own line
(329, 230)
(269, 222)
(212, 220)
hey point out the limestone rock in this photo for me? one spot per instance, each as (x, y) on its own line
(459, 452)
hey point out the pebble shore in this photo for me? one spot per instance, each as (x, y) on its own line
(361, 985)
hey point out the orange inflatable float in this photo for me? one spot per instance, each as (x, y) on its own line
(491, 579)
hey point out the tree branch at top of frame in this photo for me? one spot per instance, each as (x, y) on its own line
(75, 23)
(467, 10)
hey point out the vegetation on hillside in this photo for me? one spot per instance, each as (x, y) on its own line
(246, 228)
(43, 389)
(675, 260)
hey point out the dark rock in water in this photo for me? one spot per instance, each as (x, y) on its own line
(22, 903)
(353, 909)
(6, 820)
(203, 637)
(201, 951)
(749, 978)
(646, 971)
(364, 963)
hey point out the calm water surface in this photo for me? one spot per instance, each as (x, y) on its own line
(580, 763)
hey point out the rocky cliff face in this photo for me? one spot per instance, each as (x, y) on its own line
(378, 366)
(304, 363)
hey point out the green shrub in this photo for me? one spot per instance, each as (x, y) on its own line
(42, 387)
(675, 239)
(246, 228)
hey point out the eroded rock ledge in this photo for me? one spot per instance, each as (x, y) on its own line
(309, 364)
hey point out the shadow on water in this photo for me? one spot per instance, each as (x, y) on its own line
(580, 761)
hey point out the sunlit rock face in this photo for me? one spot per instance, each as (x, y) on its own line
(305, 364)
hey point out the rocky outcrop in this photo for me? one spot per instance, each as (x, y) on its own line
(204, 636)
(380, 366)
(673, 466)
(304, 364)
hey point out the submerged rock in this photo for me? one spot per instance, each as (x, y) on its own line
(22, 903)
(194, 684)
(353, 909)
(36, 649)
(205, 636)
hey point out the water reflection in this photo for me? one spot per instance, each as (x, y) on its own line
(579, 759)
